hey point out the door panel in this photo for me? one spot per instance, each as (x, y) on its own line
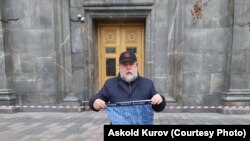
(114, 39)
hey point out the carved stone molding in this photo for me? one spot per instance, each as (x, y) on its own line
(7, 100)
(236, 101)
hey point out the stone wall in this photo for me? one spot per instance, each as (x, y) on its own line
(205, 34)
(196, 51)
(29, 44)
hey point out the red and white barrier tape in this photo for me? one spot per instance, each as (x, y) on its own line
(207, 107)
(40, 107)
(167, 107)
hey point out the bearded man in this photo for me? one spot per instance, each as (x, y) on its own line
(128, 85)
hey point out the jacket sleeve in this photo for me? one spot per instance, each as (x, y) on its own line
(160, 107)
(91, 102)
(100, 95)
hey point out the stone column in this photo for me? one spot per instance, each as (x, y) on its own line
(63, 51)
(237, 94)
(7, 96)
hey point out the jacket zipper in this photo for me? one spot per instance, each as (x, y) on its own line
(130, 94)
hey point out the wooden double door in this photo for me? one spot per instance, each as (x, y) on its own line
(114, 39)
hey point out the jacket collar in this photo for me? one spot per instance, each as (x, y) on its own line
(124, 85)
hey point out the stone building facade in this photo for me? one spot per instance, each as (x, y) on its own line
(196, 51)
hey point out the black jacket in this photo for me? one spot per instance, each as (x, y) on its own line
(117, 90)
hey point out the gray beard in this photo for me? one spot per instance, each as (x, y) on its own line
(129, 77)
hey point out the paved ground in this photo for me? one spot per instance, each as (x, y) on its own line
(88, 125)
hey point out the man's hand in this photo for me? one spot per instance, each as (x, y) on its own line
(99, 104)
(156, 99)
